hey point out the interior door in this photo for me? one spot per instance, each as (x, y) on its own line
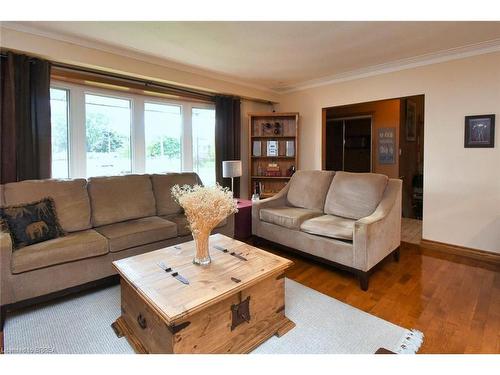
(357, 144)
(335, 145)
(348, 145)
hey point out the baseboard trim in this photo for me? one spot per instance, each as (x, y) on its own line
(485, 256)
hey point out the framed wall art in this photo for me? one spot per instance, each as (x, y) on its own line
(411, 120)
(479, 131)
(387, 146)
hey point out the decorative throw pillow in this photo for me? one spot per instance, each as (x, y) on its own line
(31, 223)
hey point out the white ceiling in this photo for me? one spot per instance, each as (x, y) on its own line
(282, 55)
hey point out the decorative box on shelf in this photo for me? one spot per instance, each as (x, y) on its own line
(273, 170)
(273, 145)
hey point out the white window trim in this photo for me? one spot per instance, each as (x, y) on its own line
(68, 123)
(77, 154)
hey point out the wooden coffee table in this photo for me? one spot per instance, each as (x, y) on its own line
(230, 306)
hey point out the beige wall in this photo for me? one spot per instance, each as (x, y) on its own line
(461, 186)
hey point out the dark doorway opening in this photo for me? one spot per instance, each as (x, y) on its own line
(353, 141)
(349, 140)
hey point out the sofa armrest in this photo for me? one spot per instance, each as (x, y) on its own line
(278, 200)
(377, 235)
(228, 228)
(5, 261)
(5, 250)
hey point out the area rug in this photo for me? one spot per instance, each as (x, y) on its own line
(81, 324)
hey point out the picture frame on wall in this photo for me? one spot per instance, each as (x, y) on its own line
(411, 121)
(387, 146)
(479, 131)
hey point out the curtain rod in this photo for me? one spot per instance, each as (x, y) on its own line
(204, 95)
(147, 83)
(31, 59)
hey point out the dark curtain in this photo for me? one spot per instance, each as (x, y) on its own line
(227, 136)
(25, 138)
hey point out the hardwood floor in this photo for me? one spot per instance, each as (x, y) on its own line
(455, 301)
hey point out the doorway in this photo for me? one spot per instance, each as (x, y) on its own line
(384, 136)
(349, 140)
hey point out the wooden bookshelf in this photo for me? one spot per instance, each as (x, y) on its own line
(283, 130)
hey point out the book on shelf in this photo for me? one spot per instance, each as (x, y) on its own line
(258, 188)
(273, 170)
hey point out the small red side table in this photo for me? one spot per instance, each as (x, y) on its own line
(243, 220)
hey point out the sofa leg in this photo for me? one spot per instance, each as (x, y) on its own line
(396, 254)
(256, 241)
(3, 315)
(363, 280)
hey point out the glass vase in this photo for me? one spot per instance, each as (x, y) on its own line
(202, 255)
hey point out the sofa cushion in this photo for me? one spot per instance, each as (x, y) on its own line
(308, 189)
(31, 223)
(162, 185)
(70, 198)
(355, 195)
(137, 232)
(120, 198)
(330, 226)
(288, 217)
(74, 246)
(182, 224)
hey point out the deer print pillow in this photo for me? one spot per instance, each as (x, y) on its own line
(31, 223)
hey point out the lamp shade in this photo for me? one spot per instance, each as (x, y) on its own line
(231, 168)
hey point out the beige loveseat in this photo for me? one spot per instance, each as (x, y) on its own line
(106, 218)
(351, 220)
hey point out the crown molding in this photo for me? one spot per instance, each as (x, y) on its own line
(482, 48)
(130, 53)
(457, 53)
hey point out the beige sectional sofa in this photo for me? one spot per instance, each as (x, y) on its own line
(106, 218)
(350, 220)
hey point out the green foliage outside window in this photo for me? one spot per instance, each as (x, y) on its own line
(99, 137)
(167, 146)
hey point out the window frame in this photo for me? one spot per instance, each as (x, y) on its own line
(196, 106)
(184, 144)
(91, 91)
(77, 154)
(68, 123)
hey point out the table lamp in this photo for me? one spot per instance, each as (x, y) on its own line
(231, 169)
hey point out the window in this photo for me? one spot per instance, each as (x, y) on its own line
(107, 125)
(163, 135)
(204, 144)
(101, 132)
(59, 121)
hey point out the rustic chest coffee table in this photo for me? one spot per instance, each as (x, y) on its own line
(170, 305)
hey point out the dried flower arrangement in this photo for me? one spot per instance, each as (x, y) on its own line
(204, 207)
